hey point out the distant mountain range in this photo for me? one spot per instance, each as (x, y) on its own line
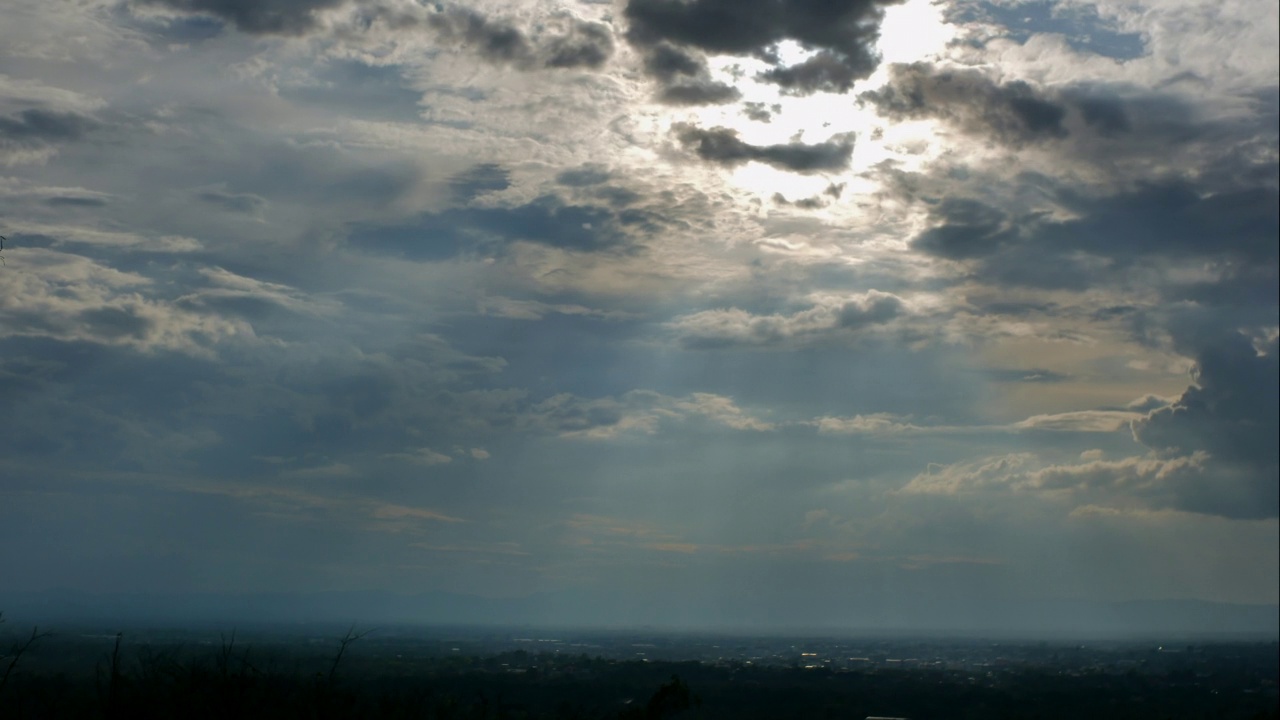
(1026, 619)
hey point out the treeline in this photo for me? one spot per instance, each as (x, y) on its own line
(354, 677)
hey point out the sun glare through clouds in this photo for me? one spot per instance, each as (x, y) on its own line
(911, 32)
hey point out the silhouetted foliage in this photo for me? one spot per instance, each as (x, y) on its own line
(91, 676)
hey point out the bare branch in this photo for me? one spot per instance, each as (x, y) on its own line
(350, 637)
(18, 651)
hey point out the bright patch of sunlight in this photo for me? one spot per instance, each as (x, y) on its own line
(912, 31)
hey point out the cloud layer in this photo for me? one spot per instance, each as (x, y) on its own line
(666, 298)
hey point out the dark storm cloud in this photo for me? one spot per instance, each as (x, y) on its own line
(577, 44)
(722, 146)
(824, 72)
(587, 44)
(494, 41)
(844, 33)
(1127, 121)
(1173, 221)
(968, 229)
(1012, 112)
(1231, 413)
(1173, 218)
(257, 17)
(684, 78)
(666, 62)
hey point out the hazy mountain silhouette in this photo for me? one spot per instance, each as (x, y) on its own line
(1028, 619)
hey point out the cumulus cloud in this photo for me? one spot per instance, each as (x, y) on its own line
(734, 327)
(722, 146)
(1213, 450)
(1230, 414)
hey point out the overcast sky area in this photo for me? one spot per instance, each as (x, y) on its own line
(663, 311)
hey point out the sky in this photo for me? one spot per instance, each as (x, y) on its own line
(673, 311)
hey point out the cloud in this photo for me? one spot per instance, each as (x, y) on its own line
(565, 43)
(546, 220)
(90, 237)
(732, 327)
(421, 456)
(1013, 112)
(257, 17)
(1083, 240)
(1232, 414)
(35, 119)
(640, 412)
(824, 72)
(73, 299)
(249, 298)
(876, 423)
(1213, 450)
(584, 176)
(685, 78)
(246, 203)
(34, 125)
(1148, 479)
(1149, 402)
(759, 112)
(1080, 421)
(843, 35)
(698, 92)
(479, 180)
(1028, 375)
(1001, 472)
(722, 146)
